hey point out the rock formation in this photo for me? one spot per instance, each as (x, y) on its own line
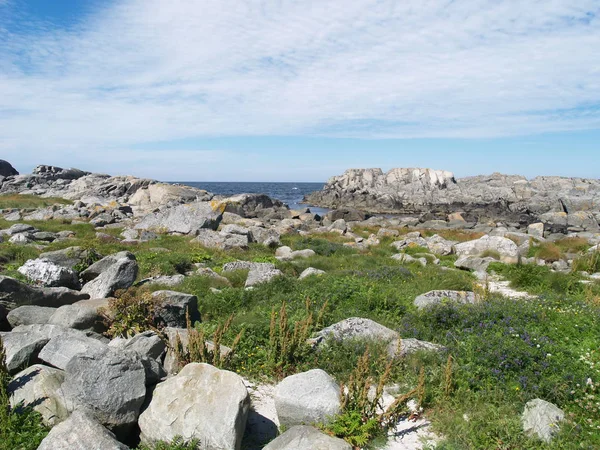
(555, 200)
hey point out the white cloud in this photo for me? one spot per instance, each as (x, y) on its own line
(144, 71)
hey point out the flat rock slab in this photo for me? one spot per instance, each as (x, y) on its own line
(80, 432)
(304, 437)
(432, 298)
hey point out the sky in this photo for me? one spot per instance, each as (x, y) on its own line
(281, 90)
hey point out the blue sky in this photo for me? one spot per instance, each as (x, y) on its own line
(288, 90)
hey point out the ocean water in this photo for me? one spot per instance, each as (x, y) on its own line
(289, 193)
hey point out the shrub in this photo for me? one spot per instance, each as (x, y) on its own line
(588, 263)
(201, 350)
(132, 311)
(176, 444)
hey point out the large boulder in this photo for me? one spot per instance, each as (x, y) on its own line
(259, 275)
(147, 344)
(439, 246)
(307, 398)
(542, 419)
(109, 384)
(201, 402)
(252, 205)
(436, 297)
(173, 307)
(6, 169)
(116, 272)
(61, 349)
(80, 317)
(161, 194)
(182, 219)
(474, 263)
(71, 257)
(46, 273)
(39, 387)
(302, 437)
(265, 236)
(504, 248)
(22, 348)
(221, 240)
(80, 432)
(14, 293)
(29, 314)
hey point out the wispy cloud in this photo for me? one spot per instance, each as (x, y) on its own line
(143, 71)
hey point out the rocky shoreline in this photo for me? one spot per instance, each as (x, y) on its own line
(562, 204)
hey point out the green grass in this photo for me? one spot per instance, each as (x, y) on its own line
(26, 201)
(505, 352)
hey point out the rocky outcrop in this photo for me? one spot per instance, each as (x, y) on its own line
(6, 169)
(418, 191)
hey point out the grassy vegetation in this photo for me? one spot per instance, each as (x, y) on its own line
(504, 352)
(23, 201)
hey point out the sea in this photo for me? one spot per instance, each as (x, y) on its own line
(289, 193)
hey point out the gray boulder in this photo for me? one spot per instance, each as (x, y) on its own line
(222, 240)
(310, 271)
(40, 387)
(183, 219)
(247, 265)
(302, 437)
(110, 385)
(405, 258)
(28, 315)
(46, 273)
(173, 306)
(147, 344)
(99, 267)
(14, 293)
(22, 348)
(265, 236)
(440, 246)
(120, 274)
(506, 249)
(307, 398)
(258, 276)
(61, 349)
(6, 169)
(201, 402)
(436, 297)
(474, 263)
(80, 432)
(70, 257)
(79, 317)
(542, 419)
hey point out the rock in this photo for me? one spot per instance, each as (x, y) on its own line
(286, 254)
(40, 387)
(22, 348)
(387, 232)
(44, 236)
(455, 217)
(410, 240)
(61, 349)
(184, 219)
(302, 437)
(120, 275)
(20, 228)
(165, 280)
(410, 191)
(102, 220)
(99, 267)
(235, 229)
(147, 344)
(436, 297)
(561, 266)
(80, 432)
(247, 265)
(311, 271)
(407, 259)
(542, 419)
(207, 272)
(46, 273)
(70, 257)
(160, 194)
(111, 385)
(201, 402)
(536, 230)
(13, 293)
(307, 398)
(27, 315)
(6, 169)
(440, 246)
(79, 317)
(20, 238)
(349, 215)
(265, 236)
(222, 241)
(174, 306)
(474, 263)
(253, 205)
(259, 275)
(505, 248)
